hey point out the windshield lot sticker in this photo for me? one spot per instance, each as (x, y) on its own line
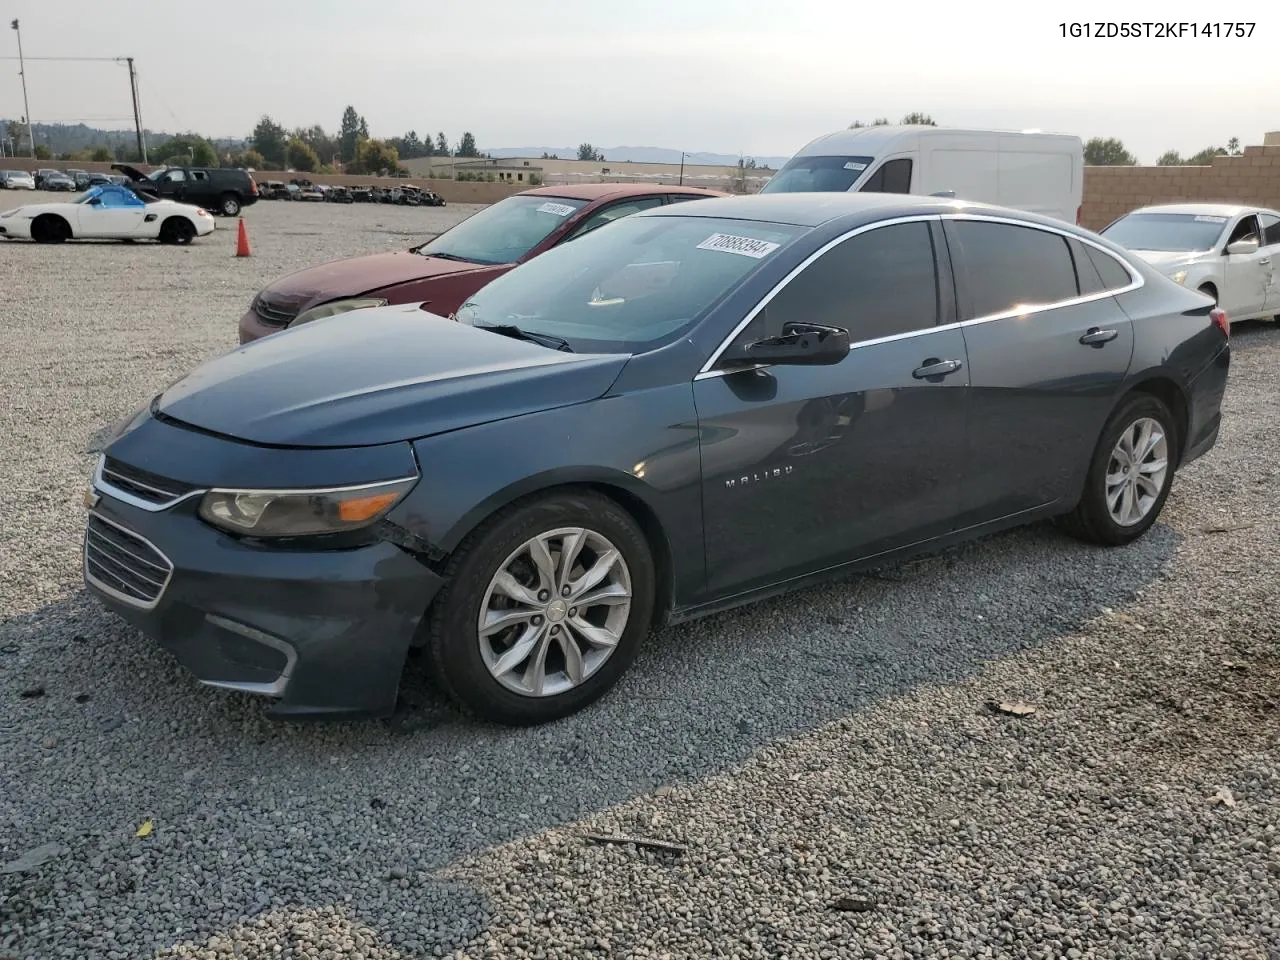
(1211, 219)
(745, 246)
(853, 165)
(559, 209)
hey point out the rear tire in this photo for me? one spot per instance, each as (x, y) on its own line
(50, 228)
(1124, 493)
(598, 538)
(177, 230)
(229, 205)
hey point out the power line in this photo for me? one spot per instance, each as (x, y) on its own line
(80, 59)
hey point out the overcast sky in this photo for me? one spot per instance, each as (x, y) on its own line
(725, 76)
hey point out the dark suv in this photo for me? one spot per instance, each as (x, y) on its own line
(220, 190)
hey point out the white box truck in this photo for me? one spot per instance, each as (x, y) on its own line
(1038, 172)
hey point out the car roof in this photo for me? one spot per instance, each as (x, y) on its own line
(1207, 209)
(815, 209)
(602, 191)
(875, 140)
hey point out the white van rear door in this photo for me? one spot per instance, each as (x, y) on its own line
(1038, 181)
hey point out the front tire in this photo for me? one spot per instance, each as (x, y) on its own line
(1130, 475)
(545, 607)
(50, 228)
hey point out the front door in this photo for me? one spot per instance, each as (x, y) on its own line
(117, 212)
(806, 467)
(1248, 274)
(1048, 350)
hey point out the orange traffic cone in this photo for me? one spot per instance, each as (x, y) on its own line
(242, 241)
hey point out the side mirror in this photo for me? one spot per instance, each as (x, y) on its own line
(1242, 248)
(807, 344)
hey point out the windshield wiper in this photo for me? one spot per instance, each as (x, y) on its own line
(445, 256)
(511, 330)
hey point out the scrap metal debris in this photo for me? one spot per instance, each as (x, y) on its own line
(34, 858)
(1014, 708)
(853, 905)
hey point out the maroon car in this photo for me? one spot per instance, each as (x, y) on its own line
(445, 271)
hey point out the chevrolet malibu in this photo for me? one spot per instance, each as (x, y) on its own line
(694, 407)
(443, 272)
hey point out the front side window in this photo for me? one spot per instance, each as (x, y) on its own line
(893, 176)
(641, 283)
(504, 232)
(1246, 229)
(876, 284)
(818, 175)
(613, 212)
(1011, 268)
(1167, 232)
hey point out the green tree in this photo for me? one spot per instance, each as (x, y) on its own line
(270, 140)
(1205, 157)
(100, 155)
(442, 145)
(918, 119)
(315, 137)
(376, 157)
(586, 151)
(349, 134)
(43, 152)
(189, 150)
(1233, 146)
(877, 122)
(1170, 158)
(1107, 153)
(301, 156)
(467, 145)
(254, 160)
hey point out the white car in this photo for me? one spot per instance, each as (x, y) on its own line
(107, 212)
(16, 180)
(1230, 253)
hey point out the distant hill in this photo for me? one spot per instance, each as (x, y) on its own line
(637, 155)
(63, 138)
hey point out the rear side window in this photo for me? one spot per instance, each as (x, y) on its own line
(1114, 275)
(876, 284)
(1009, 267)
(1270, 229)
(891, 177)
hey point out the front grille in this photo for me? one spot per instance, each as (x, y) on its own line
(123, 564)
(143, 484)
(274, 315)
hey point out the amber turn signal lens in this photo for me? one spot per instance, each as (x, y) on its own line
(359, 509)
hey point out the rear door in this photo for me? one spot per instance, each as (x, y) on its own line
(1270, 224)
(1048, 350)
(1248, 274)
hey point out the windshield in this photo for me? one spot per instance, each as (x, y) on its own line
(817, 175)
(504, 232)
(633, 285)
(1166, 232)
(114, 196)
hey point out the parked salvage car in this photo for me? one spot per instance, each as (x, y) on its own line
(448, 269)
(78, 176)
(110, 212)
(58, 182)
(338, 194)
(362, 194)
(44, 172)
(219, 189)
(272, 190)
(309, 191)
(431, 199)
(1226, 251)
(16, 180)
(616, 435)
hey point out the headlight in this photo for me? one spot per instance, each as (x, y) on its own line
(336, 307)
(1179, 277)
(301, 513)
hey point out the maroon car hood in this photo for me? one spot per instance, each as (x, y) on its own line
(358, 275)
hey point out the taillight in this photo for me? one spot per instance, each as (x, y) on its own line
(253, 187)
(1219, 318)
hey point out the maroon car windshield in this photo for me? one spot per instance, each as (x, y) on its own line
(504, 232)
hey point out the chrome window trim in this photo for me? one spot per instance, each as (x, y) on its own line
(112, 591)
(1136, 281)
(312, 491)
(103, 486)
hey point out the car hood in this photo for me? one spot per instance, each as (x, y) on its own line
(357, 275)
(399, 374)
(1168, 261)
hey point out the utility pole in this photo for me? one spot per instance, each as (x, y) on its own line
(22, 72)
(137, 110)
(682, 168)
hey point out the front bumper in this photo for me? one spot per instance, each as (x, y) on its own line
(321, 631)
(253, 328)
(18, 228)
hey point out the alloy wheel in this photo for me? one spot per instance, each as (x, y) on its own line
(554, 612)
(1137, 471)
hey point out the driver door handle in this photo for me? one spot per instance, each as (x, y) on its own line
(1097, 338)
(934, 367)
(1265, 262)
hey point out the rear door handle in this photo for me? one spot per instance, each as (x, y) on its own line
(935, 369)
(1097, 338)
(1265, 262)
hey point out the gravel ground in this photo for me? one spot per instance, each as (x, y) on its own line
(827, 760)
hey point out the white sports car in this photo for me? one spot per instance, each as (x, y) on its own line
(1226, 251)
(107, 212)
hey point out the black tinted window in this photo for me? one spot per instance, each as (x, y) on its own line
(892, 177)
(876, 284)
(1270, 229)
(1086, 272)
(1007, 266)
(1114, 274)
